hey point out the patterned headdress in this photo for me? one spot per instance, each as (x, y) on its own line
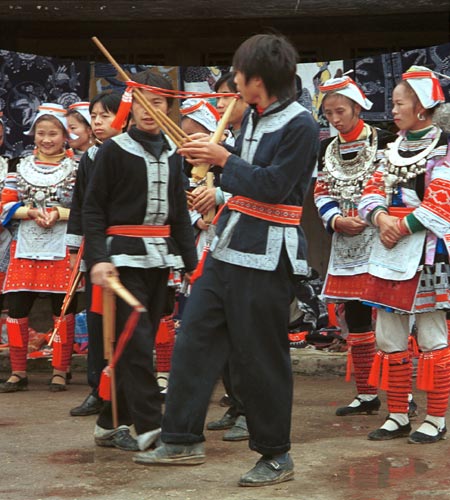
(83, 108)
(202, 112)
(348, 88)
(426, 86)
(55, 110)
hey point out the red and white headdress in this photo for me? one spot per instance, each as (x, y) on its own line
(202, 112)
(348, 88)
(426, 86)
(52, 109)
(83, 108)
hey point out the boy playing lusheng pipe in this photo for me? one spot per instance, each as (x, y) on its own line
(239, 307)
(136, 197)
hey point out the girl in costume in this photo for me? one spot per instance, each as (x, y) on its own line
(79, 124)
(36, 201)
(346, 163)
(408, 200)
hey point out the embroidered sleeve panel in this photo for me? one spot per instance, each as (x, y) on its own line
(434, 212)
(373, 195)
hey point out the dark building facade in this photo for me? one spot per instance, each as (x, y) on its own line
(206, 32)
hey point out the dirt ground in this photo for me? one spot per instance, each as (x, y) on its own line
(46, 454)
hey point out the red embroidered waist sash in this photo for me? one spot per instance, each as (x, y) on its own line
(139, 231)
(282, 214)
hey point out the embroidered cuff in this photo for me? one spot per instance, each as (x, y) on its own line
(413, 224)
(374, 214)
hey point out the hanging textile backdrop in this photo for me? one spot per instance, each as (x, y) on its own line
(27, 80)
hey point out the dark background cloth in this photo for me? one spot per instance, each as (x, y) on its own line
(26, 81)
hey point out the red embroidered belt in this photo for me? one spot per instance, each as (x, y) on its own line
(400, 211)
(138, 231)
(282, 214)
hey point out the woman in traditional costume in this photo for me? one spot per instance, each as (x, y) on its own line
(36, 201)
(408, 200)
(79, 124)
(346, 163)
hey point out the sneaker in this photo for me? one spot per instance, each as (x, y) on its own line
(239, 431)
(115, 438)
(369, 407)
(173, 454)
(226, 422)
(268, 471)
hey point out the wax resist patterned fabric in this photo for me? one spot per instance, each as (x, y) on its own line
(26, 81)
(378, 75)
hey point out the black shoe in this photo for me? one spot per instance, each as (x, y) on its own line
(422, 438)
(173, 454)
(90, 406)
(116, 438)
(20, 385)
(53, 387)
(384, 434)
(225, 401)
(412, 409)
(369, 407)
(239, 431)
(226, 422)
(268, 471)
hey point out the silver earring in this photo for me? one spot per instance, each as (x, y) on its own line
(421, 117)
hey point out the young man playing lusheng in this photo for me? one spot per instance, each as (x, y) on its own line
(239, 307)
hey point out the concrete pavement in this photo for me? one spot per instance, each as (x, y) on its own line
(46, 454)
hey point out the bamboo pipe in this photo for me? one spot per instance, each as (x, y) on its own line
(117, 287)
(67, 300)
(109, 337)
(177, 132)
(137, 93)
(199, 172)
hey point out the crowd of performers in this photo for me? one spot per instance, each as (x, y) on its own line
(125, 196)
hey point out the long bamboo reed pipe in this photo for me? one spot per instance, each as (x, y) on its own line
(199, 172)
(161, 122)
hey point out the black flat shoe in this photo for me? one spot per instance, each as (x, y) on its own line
(57, 387)
(369, 407)
(385, 435)
(90, 406)
(20, 385)
(422, 438)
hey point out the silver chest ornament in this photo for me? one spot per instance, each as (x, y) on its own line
(40, 184)
(399, 169)
(346, 179)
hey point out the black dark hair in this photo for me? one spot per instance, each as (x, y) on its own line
(228, 79)
(147, 77)
(273, 59)
(110, 100)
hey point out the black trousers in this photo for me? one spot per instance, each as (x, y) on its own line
(358, 317)
(138, 396)
(20, 303)
(240, 314)
(95, 357)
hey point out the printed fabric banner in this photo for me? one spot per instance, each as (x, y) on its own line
(28, 80)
